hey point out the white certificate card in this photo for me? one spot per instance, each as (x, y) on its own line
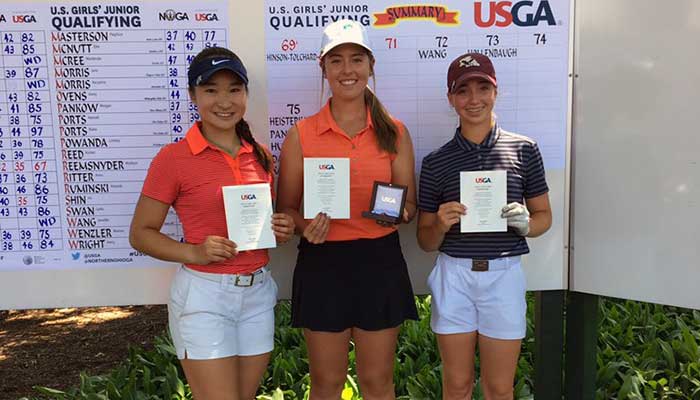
(484, 193)
(327, 187)
(249, 216)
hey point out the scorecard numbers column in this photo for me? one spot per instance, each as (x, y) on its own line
(176, 87)
(9, 232)
(19, 141)
(45, 231)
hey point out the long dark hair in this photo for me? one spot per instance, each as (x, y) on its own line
(242, 128)
(384, 126)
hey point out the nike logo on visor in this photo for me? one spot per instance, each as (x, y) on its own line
(217, 62)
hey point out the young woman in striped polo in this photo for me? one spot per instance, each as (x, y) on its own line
(477, 284)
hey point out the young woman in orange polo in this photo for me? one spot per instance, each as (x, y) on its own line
(221, 300)
(351, 281)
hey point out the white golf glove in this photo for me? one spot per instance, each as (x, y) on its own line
(518, 217)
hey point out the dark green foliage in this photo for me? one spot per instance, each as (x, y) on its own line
(645, 351)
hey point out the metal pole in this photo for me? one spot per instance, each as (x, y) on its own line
(581, 346)
(549, 344)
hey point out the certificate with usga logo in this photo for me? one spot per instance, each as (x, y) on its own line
(484, 193)
(249, 216)
(327, 187)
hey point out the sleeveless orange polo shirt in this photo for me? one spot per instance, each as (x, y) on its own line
(320, 136)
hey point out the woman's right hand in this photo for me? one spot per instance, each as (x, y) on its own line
(317, 230)
(449, 214)
(213, 249)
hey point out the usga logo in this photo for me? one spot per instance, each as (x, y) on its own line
(23, 19)
(205, 17)
(520, 13)
(248, 196)
(326, 166)
(483, 180)
(172, 15)
(387, 199)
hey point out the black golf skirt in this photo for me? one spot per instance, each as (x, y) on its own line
(361, 283)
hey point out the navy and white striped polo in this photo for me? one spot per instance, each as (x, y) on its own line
(501, 150)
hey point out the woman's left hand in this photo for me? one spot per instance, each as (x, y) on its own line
(518, 217)
(283, 227)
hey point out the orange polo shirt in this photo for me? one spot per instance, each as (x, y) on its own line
(320, 136)
(189, 175)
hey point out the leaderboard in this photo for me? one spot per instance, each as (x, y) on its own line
(89, 94)
(413, 43)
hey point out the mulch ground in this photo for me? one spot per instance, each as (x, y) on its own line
(51, 347)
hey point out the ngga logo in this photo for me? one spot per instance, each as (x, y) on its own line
(248, 197)
(326, 166)
(172, 15)
(483, 180)
(520, 13)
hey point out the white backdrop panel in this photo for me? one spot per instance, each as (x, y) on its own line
(637, 164)
(58, 284)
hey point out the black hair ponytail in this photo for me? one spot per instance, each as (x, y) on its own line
(244, 133)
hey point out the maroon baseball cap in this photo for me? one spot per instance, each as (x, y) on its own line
(469, 66)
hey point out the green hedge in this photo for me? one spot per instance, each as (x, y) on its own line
(646, 351)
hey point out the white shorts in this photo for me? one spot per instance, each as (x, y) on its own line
(491, 302)
(211, 316)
